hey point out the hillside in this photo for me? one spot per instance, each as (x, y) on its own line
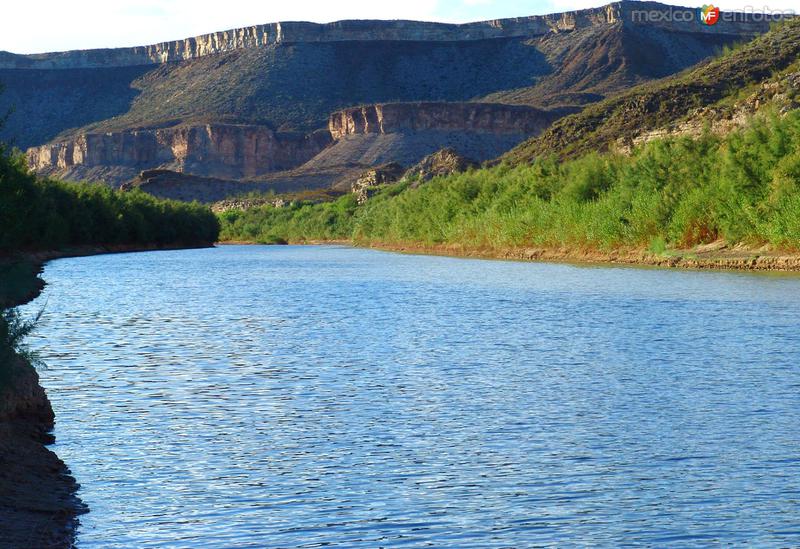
(714, 85)
(109, 114)
(592, 65)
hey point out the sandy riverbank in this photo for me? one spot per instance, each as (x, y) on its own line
(714, 256)
(717, 255)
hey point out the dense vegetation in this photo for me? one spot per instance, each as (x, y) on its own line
(13, 331)
(676, 192)
(657, 104)
(38, 214)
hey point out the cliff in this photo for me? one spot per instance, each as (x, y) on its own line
(291, 76)
(417, 117)
(228, 151)
(362, 30)
(682, 105)
(236, 152)
(251, 105)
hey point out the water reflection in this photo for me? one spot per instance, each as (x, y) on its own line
(305, 396)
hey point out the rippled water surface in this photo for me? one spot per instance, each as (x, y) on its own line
(307, 396)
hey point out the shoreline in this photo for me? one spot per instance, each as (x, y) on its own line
(39, 502)
(716, 256)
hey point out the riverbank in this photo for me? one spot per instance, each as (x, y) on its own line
(714, 256)
(39, 506)
(717, 256)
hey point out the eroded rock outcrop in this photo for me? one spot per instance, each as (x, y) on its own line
(775, 96)
(424, 116)
(214, 150)
(370, 180)
(441, 163)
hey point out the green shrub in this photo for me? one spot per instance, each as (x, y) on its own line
(676, 192)
(13, 331)
(38, 214)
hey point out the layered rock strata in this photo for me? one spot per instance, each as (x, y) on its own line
(425, 116)
(636, 13)
(228, 151)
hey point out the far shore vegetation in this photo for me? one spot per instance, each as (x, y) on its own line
(675, 192)
(45, 214)
(41, 214)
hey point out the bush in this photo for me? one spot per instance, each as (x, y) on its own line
(38, 214)
(13, 331)
(676, 192)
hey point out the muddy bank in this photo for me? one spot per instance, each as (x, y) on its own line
(712, 256)
(38, 502)
(39, 507)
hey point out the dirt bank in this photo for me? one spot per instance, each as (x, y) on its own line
(717, 255)
(39, 507)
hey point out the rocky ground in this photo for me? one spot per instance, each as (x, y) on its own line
(38, 505)
(718, 255)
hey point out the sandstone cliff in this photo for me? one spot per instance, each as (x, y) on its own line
(247, 105)
(356, 137)
(230, 151)
(416, 117)
(291, 76)
(340, 31)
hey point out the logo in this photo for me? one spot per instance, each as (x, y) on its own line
(709, 15)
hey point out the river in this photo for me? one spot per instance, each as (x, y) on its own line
(288, 396)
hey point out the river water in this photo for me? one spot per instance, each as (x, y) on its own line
(310, 396)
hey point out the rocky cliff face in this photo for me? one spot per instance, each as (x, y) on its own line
(419, 117)
(230, 151)
(677, 19)
(208, 106)
(235, 152)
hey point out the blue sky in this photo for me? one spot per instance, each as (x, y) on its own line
(57, 25)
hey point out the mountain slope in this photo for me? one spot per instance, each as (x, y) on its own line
(655, 105)
(230, 104)
(592, 65)
(295, 82)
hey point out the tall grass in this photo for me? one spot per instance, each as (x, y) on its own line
(13, 331)
(676, 192)
(41, 214)
(38, 214)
